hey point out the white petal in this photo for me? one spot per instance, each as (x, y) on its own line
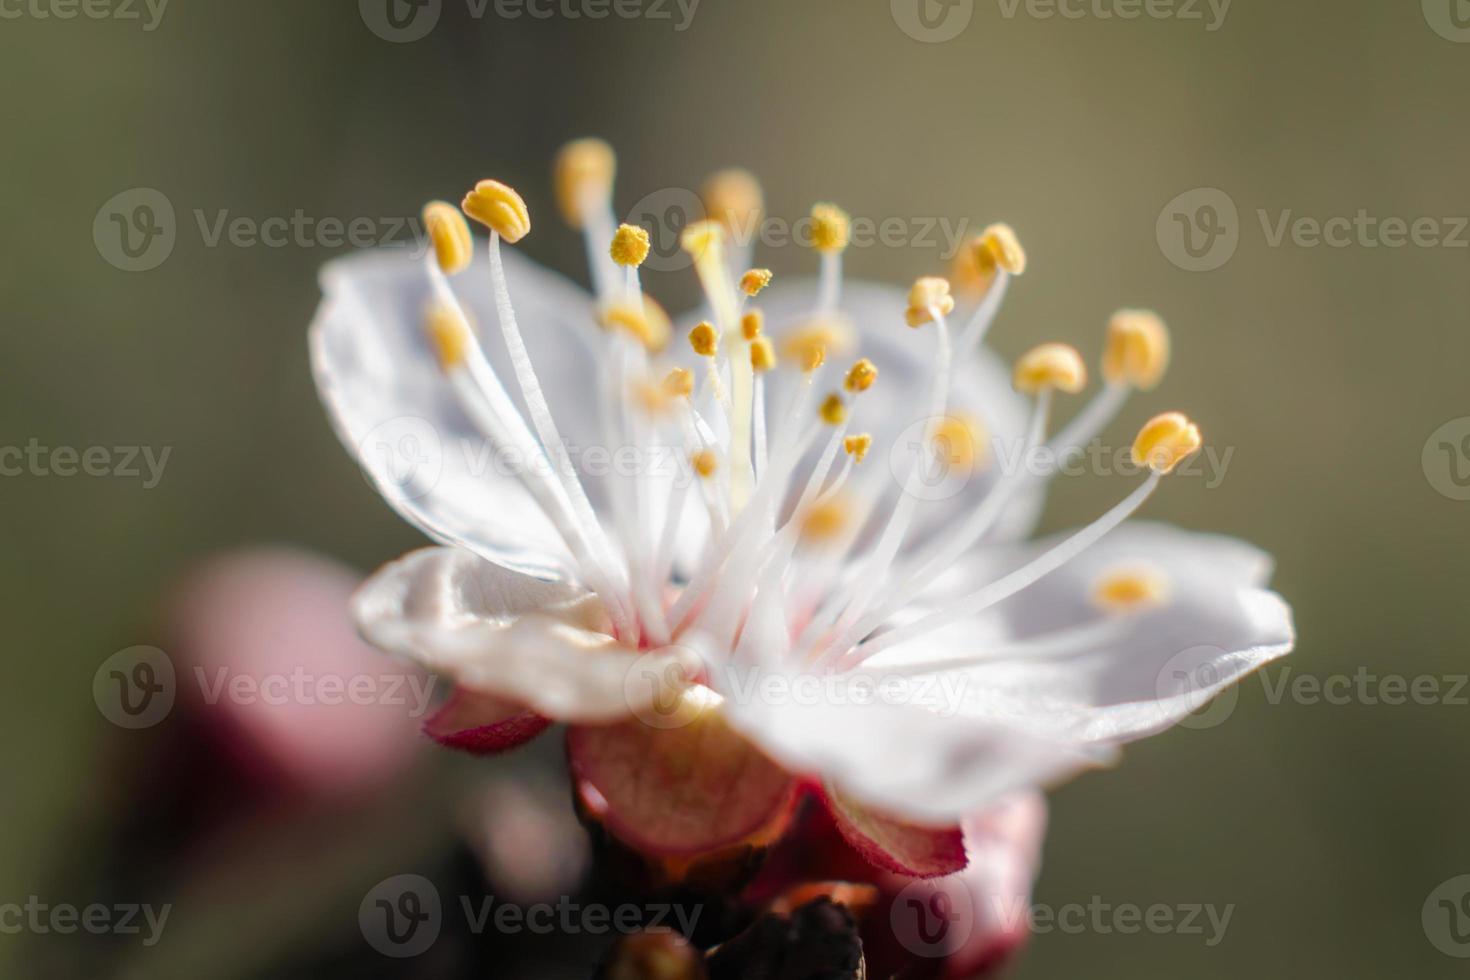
(541, 645)
(1216, 626)
(395, 412)
(905, 760)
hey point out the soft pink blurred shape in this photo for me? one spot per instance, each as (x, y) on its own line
(272, 613)
(527, 836)
(1004, 845)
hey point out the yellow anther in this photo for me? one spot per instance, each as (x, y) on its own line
(752, 324)
(755, 280)
(827, 520)
(705, 340)
(679, 383)
(762, 355)
(930, 295)
(1165, 441)
(833, 410)
(652, 398)
(999, 248)
(1127, 590)
(966, 274)
(584, 178)
(448, 334)
(813, 358)
(703, 238)
(734, 199)
(831, 228)
(705, 463)
(450, 233)
(499, 208)
(645, 321)
(862, 376)
(1137, 350)
(961, 442)
(832, 334)
(857, 446)
(1051, 366)
(630, 245)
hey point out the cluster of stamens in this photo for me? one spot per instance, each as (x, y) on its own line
(771, 567)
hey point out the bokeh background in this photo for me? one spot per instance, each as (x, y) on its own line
(1325, 369)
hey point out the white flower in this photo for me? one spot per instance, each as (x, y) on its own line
(883, 629)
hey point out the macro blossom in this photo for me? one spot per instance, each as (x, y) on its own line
(780, 546)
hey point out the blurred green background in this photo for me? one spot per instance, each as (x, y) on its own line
(1326, 369)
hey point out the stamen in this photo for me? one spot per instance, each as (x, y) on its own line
(834, 410)
(584, 174)
(997, 256)
(862, 376)
(833, 334)
(679, 383)
(500, 209)
(929, 295)
(454, 247)
(998, 248)
(754, 281)
(762, 355)
(643, 320)
(1129, 590)
(812, 359)
(1166, 441)
(734, 199)
(826, 520)
(449, 334)
(858, 446)
(630, 246)
(960, 439)
(831, 232)
(705, 340)
(752, 324)
(1051, 366)
(1137, 350)
(705, 463)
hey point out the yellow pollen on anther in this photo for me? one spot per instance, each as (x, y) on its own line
(1051, 366)
(645, 321)
(705, 340)
(679, 383)
(1165, 441)
(703, 238)
(961, 442)
(500, 209)
(831, 228)
(454, 247)
(734, 199)
(833, 410)
(928, 296)
(857, 446)
(630, 245)
(1127, 590)
(1137, 351)
(813, 358)
(705, 463)
(833, 334)
(999, 248)
(448, 334)
(862, 376)
(762, 355)
(752, 324)
(826, 520)
(755, 280)
(583, 177)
